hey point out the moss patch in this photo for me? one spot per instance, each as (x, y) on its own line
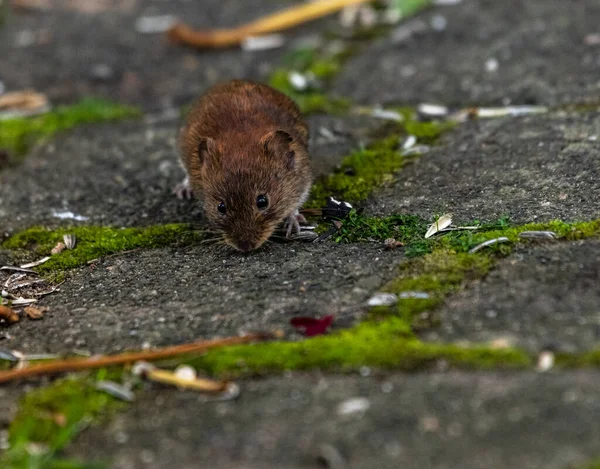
(410, 230)
(48, 418)
(17, 135)
(367, 169)
(94, 242)
(383, 344)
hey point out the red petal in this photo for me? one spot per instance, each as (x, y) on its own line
(311, 326)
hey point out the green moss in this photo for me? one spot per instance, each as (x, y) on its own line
(367, 169)
(595, 464)
(436, 275)
(310, 101)
(585, 359)
(49, 417)
(383, 344)
(410, 230)
(94, 242)
(17, 135)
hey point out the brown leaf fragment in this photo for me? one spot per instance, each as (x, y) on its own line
(60, 247)
(9, 315)
(35, 313)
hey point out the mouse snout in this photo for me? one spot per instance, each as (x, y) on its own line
(245, 245)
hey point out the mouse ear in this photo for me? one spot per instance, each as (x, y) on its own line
(278, 144)
(206, 147)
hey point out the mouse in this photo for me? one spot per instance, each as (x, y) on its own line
(244, 148)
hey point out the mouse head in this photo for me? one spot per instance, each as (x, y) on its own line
(248, 188)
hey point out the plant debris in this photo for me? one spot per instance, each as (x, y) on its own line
(35, 313)
(23, 104)
(489, 242)
(183, 380)
(383, 299)
(77, 364)
(440, 224)
(60, 247)
(35, 263)
(184, 34)
(70, 241)
(8, 315)
(117, 390)
(538, 234)
(310, 327)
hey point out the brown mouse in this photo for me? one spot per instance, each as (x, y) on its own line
(244, 147)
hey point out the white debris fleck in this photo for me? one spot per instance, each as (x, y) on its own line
(439, 23)
(66, 215)
(387, 115)
(353, 405)
(25, 38)
(116, 390)
(298, 80)
(383, 299)
(538, 234)
(185, 373)
(489, 242)
(271, 41)
(154, 24)
(510, 111)
(545, 361)
(421, 295)
(491, 65)
(441, 223)
(432, 110)
(410, 142)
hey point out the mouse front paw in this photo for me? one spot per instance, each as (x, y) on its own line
(292, 223)
(183, 190)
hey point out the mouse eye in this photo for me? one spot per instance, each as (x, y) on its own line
(262, 202)
(221, 208)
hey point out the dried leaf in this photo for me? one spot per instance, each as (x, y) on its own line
(9, 315)
(60, 247)
(311, 326)
(441, 223)
(22, 104)
(35, 313)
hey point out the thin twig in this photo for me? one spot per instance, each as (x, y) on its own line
(77, 364)
(286, 19)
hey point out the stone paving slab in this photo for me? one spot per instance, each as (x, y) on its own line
(78, 53)
(538, 297)
(437, 420)
(483, 52)
(529, 169)
(170, 296)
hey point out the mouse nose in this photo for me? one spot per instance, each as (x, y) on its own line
(245, 245)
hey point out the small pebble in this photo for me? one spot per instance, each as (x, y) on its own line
(491, 65)
(353, 405)
(439, 23)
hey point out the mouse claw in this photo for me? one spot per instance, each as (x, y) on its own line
(292, 223)
(183, 190)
